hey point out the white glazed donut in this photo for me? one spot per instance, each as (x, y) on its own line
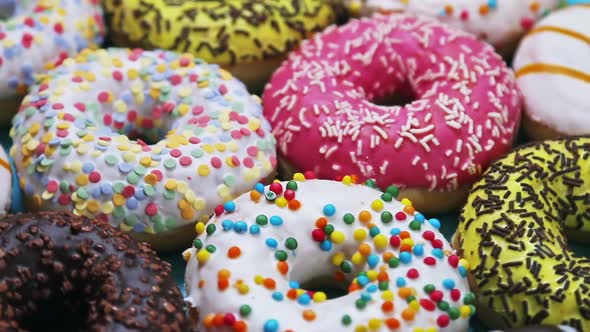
(553, 72)
(6, 181)
(79, 141)
(501, 23)
(248, 267)
(36, 35)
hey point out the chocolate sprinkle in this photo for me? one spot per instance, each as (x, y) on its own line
(63, 272)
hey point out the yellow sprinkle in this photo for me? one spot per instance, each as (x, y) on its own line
(107, 207)
(374, 324)
(208, 148)
(200, 228)
(186, 255)
(432, 329)
(377, 205)
(118, 199)
(203, 256)
(463, 262)
(338, 258)
(188, 214)
(418, 329)
(203, 170)
(220, 147)
(337, 237)
(357, 258)
(93, 206)
(199, 204)
(132, 74)
(372, 275)
(320, 297)
(406, 202)
(380, 241)
(299, 177)
(281, 202)
(359, 234)
(150, 179)
(415, 305)
(243, 289)
(82, 180)
(347, 180)
(409, 241)
(258, 279)
(171, 184)
(387, 295)
(465, 311)
(360, 328)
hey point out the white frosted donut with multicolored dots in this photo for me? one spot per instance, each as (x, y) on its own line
(37, 35)
(80, 141)
(501, 23)
(248, 268)
(6, 180)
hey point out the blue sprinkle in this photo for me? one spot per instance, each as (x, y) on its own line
(374, 231)
(405, 257)
(259, 187)
(271, 242)
(227, 225)
(462, 271)
(304, 299)
(362, 280)
(419, 217)
(138, 228)
(418, 250)
(395, 231)
(132, 203)
(435, 223)
(240, 227)
(326, 245)
(492, 3)
(125, 168)
(229, 206)
(294, 284)
(372, 288)
(254, 229)
(373, 260)
(140, 194)
(276, 221)
(329, 210)
(271, 325)
(366, 296)
(87, 168)
(438, 253)
(277, 296)
(106, 188)
(400, 282)
(95, 192)
(448, 284)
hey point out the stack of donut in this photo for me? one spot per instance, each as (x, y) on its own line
(375, 128)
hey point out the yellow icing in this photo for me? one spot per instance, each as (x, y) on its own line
(529, 197)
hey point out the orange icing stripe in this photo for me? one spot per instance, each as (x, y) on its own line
(545, 68)
(5, 164)
(563, 31)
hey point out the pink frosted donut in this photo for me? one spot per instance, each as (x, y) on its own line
(465, 112)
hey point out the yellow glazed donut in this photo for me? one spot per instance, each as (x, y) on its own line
(512, 232)
(250, 38)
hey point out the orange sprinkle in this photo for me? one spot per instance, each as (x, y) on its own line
(484, 10)
(269, 283)
(364, 249)
(218, 320)
(404, 234)
(405, 247)
(370, 225)
(202, 283)
(321, 223)
(383, 276)
(292, 294)
(294, 205)
(387, 256)
(283, 267)
(308, 315)
(222, 284)
(353, 287)
(255, 195)
(365, 216)
(449, 10)
(234, 252)
(240, 326)
(535, 6)
(354, 178)
(223, 274)
(339, 276)
(387, 306)
(408, 314)
(208, 320)
(409, 210)
(404, 292)
(392, 323)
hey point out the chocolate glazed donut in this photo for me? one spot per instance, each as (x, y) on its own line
(61, 272)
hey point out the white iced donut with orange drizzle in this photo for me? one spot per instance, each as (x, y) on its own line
(501, 23)
(249, 267)
(553, 73)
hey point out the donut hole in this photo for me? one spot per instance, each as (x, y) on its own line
(327, 284)
(60, 312)
(401, 96)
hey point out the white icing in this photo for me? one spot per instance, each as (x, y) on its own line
(502, 24)
(308, 261)
(6, 181)
(558, 100)
(81, 21)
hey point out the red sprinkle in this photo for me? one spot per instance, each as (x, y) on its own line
(395, 241)
(128, 191)
(94, 177)
(436, 296)
(413, 274)
(443, 320)
(276, 188)
(430, 261)
(400, 216)
(185, 161)
(454, 260)
(428, 235)
(151, 209)
(455, 294)
(318, 235)
(427, 304)
(219, 209)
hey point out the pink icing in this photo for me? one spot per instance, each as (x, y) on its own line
(466, 111)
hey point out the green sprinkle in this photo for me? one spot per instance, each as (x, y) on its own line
(292, 185)
(383, 285)
(469, 298)
(281, 255)
(360, 304)
(348, 218)
(393, 190)
(291, 243)
(261, 220)
(132, 178)
(346, 267)
(387, 197)
(210, 248)
(386, 217)
(210, 229)
(429, 288)
(111, 160)
(170, 163)
(329, 229)
(454, 313)
(245, 310)
(370, 183)
(393, 262)
(443, 305)
(415, 225)
(198, 244)
(346, 320)
(410, 298)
